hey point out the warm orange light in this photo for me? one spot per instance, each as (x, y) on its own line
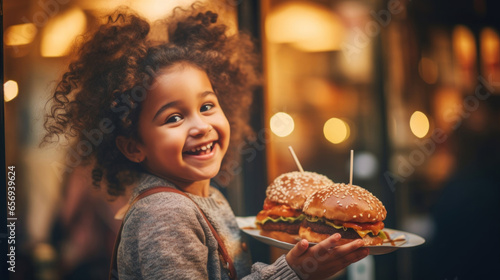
(307, 26)
(490, 51)
(336, 130)
(447, 103)
(490, 44)
(419, 124)
(61, 32)
(464, 45)
(150, 9)
(20, 34)
(10, 90)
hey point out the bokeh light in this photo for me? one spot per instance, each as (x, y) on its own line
(20, 34)
(309, 27)
(336, 130)
(365, 165)
(61, 32)
(10, 90)
(419, 124)
(282, 124)
(464, 45)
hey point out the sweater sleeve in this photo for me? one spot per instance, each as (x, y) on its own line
(278, 270)
(170, 243)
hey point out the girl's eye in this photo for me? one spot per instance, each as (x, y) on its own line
(206, 107)
(174, 119)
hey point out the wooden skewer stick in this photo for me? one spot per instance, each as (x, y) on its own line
(296, 159)
(350, 175)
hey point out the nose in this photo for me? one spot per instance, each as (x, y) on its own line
(199, 126)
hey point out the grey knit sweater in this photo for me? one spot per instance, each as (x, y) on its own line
(165, 237)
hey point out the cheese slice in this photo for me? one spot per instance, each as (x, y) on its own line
(363, 233)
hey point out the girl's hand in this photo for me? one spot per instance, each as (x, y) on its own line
(324, 259)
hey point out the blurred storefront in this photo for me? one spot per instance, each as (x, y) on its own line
(413, 87)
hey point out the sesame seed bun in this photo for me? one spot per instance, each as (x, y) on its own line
(293, 188)
(349, 210)
(281, 236)
(347, 203)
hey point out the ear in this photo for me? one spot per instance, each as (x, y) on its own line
(130, 148)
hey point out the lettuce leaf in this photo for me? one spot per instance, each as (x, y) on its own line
(283, 219)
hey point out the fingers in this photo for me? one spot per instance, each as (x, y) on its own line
(295, 255)
(299, 248)
(326, 258)
(335, 241)
(351, 246)
(329, 243)
(335, 248)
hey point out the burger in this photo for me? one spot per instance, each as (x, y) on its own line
(350, 210)
(285, 197)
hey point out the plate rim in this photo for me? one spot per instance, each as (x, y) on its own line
(412, 240)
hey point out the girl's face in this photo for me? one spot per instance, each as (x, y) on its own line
(183, 131)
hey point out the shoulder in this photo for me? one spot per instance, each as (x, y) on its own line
(163, 210)
(163, 202)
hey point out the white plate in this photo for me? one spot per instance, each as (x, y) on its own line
(410, 239)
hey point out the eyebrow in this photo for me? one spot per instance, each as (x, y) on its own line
(174, 103)
(165, 107)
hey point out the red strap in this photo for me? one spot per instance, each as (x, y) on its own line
(113, 274)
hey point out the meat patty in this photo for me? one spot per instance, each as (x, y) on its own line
(292, 228)
(323, 228)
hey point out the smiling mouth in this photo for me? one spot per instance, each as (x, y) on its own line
(201, 150)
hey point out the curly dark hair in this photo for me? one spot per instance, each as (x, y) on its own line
(99, 97)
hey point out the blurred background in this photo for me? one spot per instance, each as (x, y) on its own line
(413, 87)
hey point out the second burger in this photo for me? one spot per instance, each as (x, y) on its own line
(350, 210)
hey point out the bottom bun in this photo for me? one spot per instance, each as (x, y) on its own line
(311, 236)
(372, 240)
(281, 236)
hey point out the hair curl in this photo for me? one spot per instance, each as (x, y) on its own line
(103, 88)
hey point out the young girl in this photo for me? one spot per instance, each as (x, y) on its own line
(163, 114)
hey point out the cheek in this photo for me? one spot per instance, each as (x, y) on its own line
(170, 142)
(173, 141)
(226, 128)
(223, 129)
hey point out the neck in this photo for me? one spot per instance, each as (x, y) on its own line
(199, 188)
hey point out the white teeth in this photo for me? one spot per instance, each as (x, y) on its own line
(202, 148)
